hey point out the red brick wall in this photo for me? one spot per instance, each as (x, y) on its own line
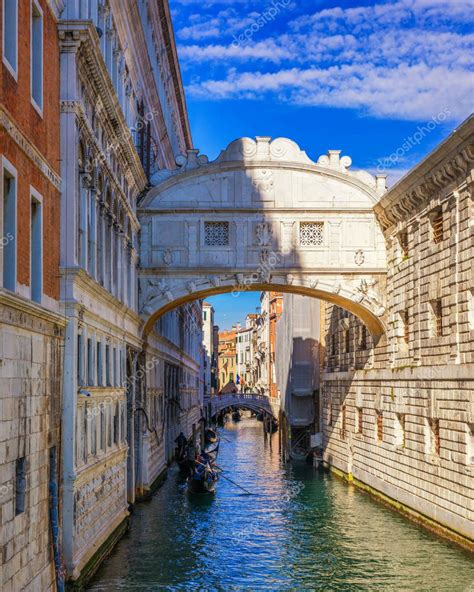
(43, 133)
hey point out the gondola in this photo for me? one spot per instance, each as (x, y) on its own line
(204, 476)
(236, 415)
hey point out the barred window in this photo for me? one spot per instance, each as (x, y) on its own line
(437, 223)
(379, 423)
(216, 234)
(311, 234)
(403, 242)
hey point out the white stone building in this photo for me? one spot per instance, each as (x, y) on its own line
(244, 353)
(123, 117)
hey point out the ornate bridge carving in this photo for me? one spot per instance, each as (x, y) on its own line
(263, 216)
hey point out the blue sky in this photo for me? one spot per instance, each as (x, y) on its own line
(231, 309)
(384, 82)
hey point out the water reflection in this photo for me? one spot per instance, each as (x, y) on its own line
(300, 531)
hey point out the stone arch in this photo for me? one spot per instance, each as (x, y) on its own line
(164, 297)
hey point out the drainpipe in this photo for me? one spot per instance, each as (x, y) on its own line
(54, 519)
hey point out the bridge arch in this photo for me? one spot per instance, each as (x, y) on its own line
(263, 216)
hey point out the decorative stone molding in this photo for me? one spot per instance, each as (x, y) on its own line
(454, 158)
(80, 37)
(8, 124)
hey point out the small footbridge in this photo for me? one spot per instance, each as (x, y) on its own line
(253, 401)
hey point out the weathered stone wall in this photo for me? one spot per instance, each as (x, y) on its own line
(30, 403)
(399, 416)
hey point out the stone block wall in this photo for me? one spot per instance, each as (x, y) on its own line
(398, 415)
(30, 401)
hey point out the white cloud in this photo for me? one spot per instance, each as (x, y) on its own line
(408, 59)
(406, 92)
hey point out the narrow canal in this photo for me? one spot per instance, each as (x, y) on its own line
(301, 530)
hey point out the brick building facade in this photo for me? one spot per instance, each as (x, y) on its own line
(31, 328)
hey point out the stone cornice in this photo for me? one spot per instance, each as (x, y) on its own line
(56, 7)
(129, 27)
(168, 35)
(452, 161)
(13, 300)
(8, 124)
(78, 108)
(81, 37)
(83, 281)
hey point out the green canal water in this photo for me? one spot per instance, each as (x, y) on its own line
(301, 530)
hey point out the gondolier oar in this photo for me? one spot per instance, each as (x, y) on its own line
(237, 485)
(233, 482)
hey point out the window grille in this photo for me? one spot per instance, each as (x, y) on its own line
(403, 241)
(435, 440)
(311, 234)
(20, 485)
(438, 317)
(343, 423)
(379, 426)
(437, 226)
(347, 340)
(216, 234)
(363, 339)
(406, 327)
(360, 419)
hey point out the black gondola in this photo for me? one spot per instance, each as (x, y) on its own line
(204, 478)
(204, 475)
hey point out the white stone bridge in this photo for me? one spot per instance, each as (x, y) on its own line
(253, 401)
(263, 216)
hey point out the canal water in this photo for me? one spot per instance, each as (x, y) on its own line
(300, 530)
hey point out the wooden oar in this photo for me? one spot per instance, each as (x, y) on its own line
(224, 477)
(237, 485)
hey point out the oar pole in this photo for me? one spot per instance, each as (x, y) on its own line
(237, 485)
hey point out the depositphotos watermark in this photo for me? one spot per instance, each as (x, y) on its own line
(268, 15)
(4, 240)
(411, 141)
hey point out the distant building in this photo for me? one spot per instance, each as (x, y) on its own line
(297, 369)
(208, 343)
(244, 357)
(275, 308)
(227, 367)
(215, 358)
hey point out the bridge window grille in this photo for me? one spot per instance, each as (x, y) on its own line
(311, 234)
(216, 234)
